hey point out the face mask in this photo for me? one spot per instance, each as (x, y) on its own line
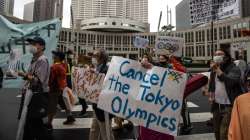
(71, 56)
(94, 61)
(163, 63)
(218, 59)
(33, 50)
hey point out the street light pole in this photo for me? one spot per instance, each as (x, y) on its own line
(212, 29)
(212, 37)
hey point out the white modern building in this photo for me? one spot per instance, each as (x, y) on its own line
(28, 11)
(111, 15)
(6, 7)
(227, 35)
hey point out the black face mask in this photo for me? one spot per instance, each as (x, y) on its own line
(163, 63)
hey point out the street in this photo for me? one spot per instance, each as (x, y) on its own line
(9, 104)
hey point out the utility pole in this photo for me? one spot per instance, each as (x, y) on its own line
(72, 43)
(212, 28)
(159, 23)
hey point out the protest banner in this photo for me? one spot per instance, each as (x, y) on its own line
(14, 50)
(140, 42)
(169, 45)
(87, 83)
(205, 11)
(148, 97)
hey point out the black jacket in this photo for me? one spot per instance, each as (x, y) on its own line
(231, 78)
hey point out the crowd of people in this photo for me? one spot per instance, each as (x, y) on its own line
(50, 86)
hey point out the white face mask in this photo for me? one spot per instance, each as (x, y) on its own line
(218, 59)
(33, 50)
(94, 61)
(71, 56)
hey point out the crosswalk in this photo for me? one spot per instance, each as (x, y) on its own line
(80, 129)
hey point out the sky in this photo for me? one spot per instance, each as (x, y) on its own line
(155, 6)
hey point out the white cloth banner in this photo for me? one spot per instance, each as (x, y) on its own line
(203, 11)
(87, 83)
(169, 45)
(151, 98)
(14, 50)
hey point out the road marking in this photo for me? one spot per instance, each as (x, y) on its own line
(207, 136)
(83, 123)
(79, 123)
(78, 108)
(191, 105)
(19, 96)
(86, 122)
(200, 117)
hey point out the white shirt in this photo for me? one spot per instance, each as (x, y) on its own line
(221, 93)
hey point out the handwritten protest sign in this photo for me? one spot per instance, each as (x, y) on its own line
(87, 84)
(151, 98)
(140, 42)
(169, 45)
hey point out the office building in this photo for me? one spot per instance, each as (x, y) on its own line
(47, 9)
(6, 7)
(183, 15)
(28, 11)
(111, 15)
(245, 8)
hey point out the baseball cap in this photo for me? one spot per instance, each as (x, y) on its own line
(38, 40)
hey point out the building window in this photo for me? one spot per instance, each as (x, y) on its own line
(208, 34)
(192, 51)
(113, 23)
(203, 51)
(220, 33)
(196, 36)
(186, 38)
(228, 32)
(192, 36)
(189, 37)
(203, 36)
(69, 36)
(208, 50)
(224, 33)
(215, 34)
(197, 50)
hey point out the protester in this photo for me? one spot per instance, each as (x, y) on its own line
(240, 120)
(81, 100)
(224, 87)
(69, 62)
(99, 130)
(57, 84)
(163, 62)
(37, 79)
